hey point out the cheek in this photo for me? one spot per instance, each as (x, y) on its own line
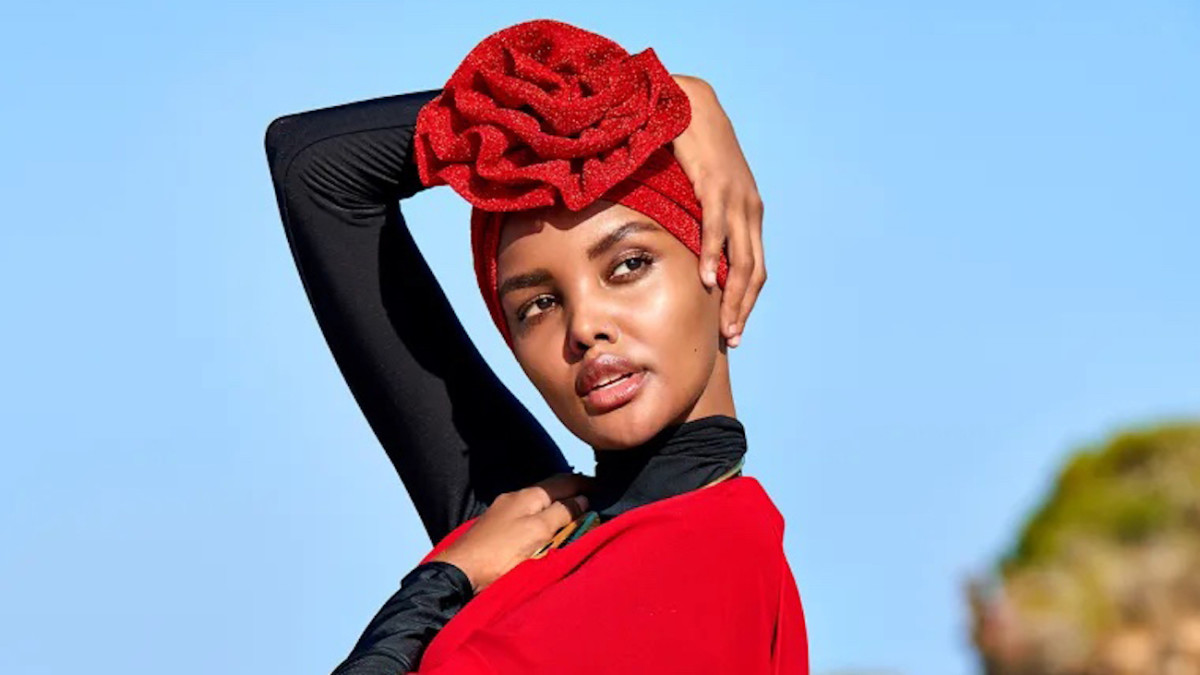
(543, 363)
(678, 316)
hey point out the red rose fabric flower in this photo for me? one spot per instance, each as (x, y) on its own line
(544, 113)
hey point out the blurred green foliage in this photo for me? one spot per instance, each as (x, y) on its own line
(1137, 486)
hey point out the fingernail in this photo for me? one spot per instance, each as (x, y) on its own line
(732, 329)
(710, 277)
(734, 341)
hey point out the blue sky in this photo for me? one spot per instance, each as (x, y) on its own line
(981, 231)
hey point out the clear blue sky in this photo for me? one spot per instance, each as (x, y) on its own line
(982, 233)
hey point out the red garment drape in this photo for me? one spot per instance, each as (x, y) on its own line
(696, 583)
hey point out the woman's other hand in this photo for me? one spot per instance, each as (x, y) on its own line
(710, 155)
(515, 526)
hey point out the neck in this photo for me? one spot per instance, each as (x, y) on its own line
(717, 397)
(680, 458)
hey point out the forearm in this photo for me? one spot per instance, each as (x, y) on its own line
(454, 432)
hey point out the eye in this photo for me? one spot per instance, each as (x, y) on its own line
(536, 306)
(634, 266)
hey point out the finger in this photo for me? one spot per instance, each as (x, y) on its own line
(712, 236)
(561, 486)
(741, 266)
(562, 512)
(759, 276)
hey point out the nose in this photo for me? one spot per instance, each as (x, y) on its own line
(589, 324)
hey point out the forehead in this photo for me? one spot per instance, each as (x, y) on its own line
(558, 226)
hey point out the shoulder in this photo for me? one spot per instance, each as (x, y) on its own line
(736, 513)
(736, 506)
(715, 552)
(727, 526)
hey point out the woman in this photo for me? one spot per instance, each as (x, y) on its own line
(589, 270)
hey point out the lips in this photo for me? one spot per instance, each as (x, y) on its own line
(608, 382)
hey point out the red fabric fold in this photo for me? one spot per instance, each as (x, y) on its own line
(543, 113)
(696, 583)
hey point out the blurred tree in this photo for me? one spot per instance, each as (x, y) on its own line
(1105, 575)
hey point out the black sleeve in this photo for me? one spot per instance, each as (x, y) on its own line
(394, 641)
(456, 435)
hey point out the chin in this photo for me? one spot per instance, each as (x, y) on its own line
(626, 427)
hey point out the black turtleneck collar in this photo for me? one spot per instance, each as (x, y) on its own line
(680, 458)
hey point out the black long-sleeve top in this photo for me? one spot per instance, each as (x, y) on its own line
(455, 434)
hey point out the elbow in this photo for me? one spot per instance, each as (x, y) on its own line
(276, 139)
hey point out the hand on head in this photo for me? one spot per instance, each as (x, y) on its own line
(711, 157)
(620, 327)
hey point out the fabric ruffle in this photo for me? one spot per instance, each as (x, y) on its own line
(544, 113)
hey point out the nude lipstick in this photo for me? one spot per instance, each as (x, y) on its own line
(608, 382)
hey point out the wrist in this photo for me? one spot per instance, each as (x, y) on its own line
(444, 574)
(459, 566)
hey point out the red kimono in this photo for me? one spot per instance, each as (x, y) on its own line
(695, 583)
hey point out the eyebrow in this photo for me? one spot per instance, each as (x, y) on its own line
(609, 240)
(537, 277)
(541, 276)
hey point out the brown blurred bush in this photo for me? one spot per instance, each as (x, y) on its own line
(1105, 576)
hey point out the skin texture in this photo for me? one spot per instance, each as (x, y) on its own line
(709, 152)
(515, 526)
(663, 312)
(640, 299)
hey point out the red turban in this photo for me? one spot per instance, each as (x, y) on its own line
(544, 113)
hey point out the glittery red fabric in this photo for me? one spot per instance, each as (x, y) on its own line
(543, 113)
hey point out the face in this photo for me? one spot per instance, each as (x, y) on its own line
(611, 322)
